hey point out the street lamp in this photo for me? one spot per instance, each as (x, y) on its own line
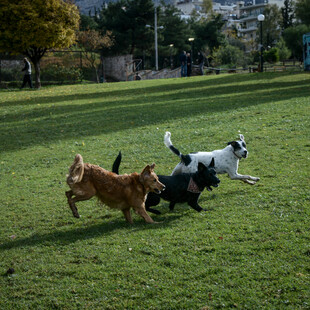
(192, 41)
(171, 62)
(155, 31)
(261, 18)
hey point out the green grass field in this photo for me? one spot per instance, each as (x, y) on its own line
(250, 250)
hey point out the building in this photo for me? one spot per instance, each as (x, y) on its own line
(248, 17)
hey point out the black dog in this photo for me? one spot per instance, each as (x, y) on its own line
(180, 188)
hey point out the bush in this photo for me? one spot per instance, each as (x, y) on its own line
(272, 55)
(60, 73)
(284, 52)
(229, 55)
(11, 74)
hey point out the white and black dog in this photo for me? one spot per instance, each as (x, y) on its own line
(226, 160)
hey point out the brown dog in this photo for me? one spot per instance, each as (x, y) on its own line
(116, 191)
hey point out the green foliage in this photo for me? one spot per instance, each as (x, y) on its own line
(293, 39)
(229, 55)
(59, 74)
(37, 23)
(32, 27)
(250, 250)
(283, 51)
(288, 15)
(207, 6)
(126, 20)
(272, 55)
(176, 31)
(208, 33)
(271, 25)
(88, 22)
(302, 11)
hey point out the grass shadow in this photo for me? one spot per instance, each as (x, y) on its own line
(64, 237)
(53, 123)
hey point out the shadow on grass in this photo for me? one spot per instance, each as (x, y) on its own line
(167, 86)
(53, 123)
(61, 237)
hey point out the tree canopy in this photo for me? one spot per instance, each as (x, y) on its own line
(32, 27)
(126, 19)
(302, 11)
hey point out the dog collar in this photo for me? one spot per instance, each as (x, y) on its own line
(193, 187)
(237, 155)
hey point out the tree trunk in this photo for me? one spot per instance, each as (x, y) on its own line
(35, 54)
(37, 74)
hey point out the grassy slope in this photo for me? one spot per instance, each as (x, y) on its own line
(250, 250)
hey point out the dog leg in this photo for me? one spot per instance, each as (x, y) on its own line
(152, 200)
(141, 211)
(171, 205)
(127, 215)
(72, 201)
(245, 178)
(193, 202)
(72, 206)
(197, 207)
(152, 210)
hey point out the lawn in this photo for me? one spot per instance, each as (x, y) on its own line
(249, 250)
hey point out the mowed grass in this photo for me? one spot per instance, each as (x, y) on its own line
(250, 250)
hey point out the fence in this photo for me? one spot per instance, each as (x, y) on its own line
(57, 67)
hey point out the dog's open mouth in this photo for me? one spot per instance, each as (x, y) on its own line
(157, 191)
(209, 188)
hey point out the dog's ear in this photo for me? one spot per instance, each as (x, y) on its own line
(212, 164)
(241, 137)
(233, 143)
(146, 170)
(201, 166)
(152, 166)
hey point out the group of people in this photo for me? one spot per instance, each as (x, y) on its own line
(186, 63)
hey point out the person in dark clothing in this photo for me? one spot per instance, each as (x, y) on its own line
(189, 64)
(183, 64)
(27, 75)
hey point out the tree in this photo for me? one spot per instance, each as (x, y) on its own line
(126, 19)
(207, 6)
(283, 51)
(272, 55)
(90, 42)
(176, 31)
(208, 33)
(271, 25)
(293, 39)
(287, 12)
(228, 55)
(32, 27)
(302, 11)
(88, 22)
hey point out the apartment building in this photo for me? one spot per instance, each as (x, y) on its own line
(248, 17)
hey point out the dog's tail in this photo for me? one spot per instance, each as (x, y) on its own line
(76, 171)
(169, 145)
(184, 158)
(117, 163)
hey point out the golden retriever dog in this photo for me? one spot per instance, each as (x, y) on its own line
(121, 192)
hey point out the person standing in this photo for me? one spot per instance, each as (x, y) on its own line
(189, 64)
(183, 64)
(27, 75)
(200, 62)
